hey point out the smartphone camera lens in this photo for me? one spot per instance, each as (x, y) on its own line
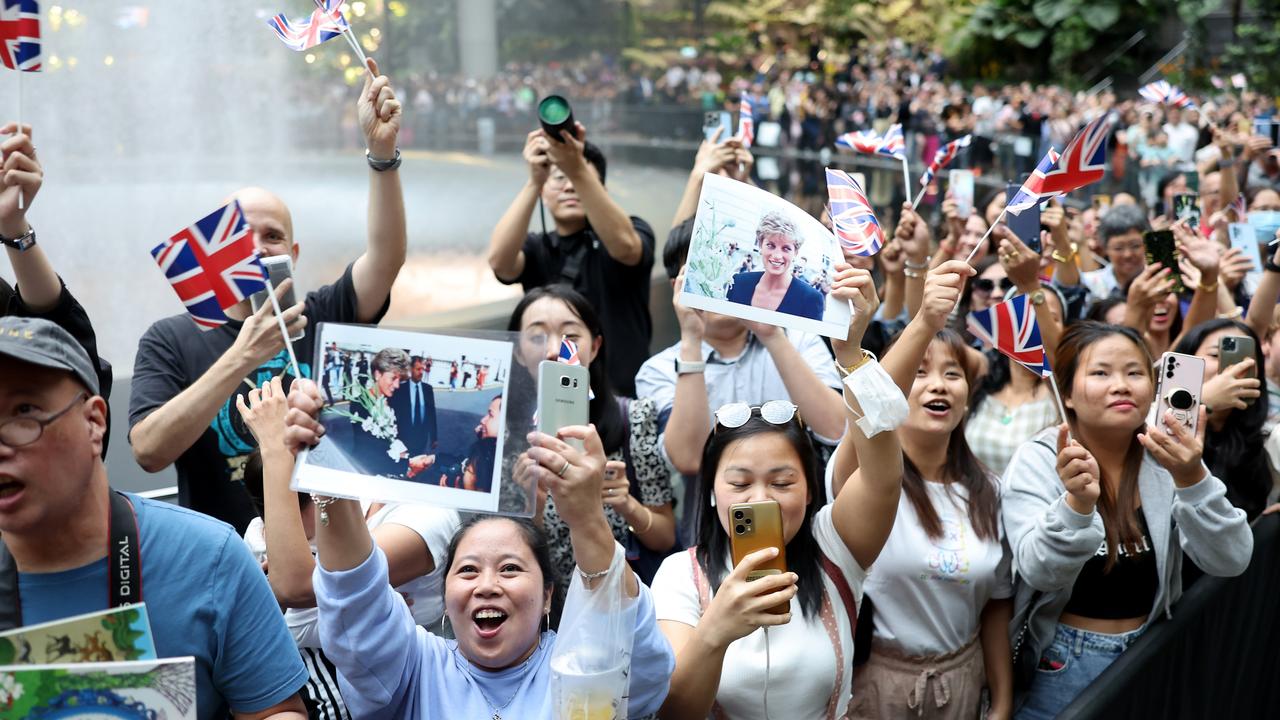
(564, 381)
(748, 521)
(1229, 343)
(737, 514)
(740, 529)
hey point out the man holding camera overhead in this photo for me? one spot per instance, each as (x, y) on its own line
(595, 247)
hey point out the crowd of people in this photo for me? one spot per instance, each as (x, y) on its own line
(949, 547)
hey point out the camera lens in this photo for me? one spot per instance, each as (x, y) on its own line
(739, 529)
(1181, 399)
(737, 514)
(564, 382)
(1229, 343)
(748, 521)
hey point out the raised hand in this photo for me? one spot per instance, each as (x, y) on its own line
(692, 325)
(1232, 388)
(1176, 449)
(264, 413)
(573, 477)
(379, 113)
(1152, 285)
(535, 153)
(740, 605)
(259, 339)
(21, 173)
(942, 290)
(1079, 473)
(1233, 267)
(302, 419)
(1021, 263)
(856, 286)
(567, 155)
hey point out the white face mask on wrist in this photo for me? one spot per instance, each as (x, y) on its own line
(884, 407)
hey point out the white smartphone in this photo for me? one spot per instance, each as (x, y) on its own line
(961, 184)
(1244, 237)
(563, 397)
(1180, 384)
(279, 268)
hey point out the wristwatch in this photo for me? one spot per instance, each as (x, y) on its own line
(689, 367)
(383, 165)
(1037, 297)
(1270, 265)
(23, 242)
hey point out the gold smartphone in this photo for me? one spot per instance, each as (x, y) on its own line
(756, 526)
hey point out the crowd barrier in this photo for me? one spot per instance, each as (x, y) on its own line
(1217, 657)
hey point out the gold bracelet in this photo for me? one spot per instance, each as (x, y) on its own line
(1075, 250)
(1207, 288)
(844, 371)
(647, 527)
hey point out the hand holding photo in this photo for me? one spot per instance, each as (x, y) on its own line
(757, 257)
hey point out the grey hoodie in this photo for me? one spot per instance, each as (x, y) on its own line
(1051, 542)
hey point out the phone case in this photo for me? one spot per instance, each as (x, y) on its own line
(756, 526)
(717, 119)
(1161, 249)
(563, 398)
(1234, 349)
(1187, 205)
(1181, 382)
(960, 183)
(279, 268)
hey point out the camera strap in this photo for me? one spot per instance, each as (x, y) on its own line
(124, 564)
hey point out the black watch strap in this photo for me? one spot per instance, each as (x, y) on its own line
(383, 165)
(1270, 265)
(21, 243)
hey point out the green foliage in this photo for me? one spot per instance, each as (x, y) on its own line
(1256, 46)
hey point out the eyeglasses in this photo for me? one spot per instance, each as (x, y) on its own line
(20, 431)
(774, 412)
(1126, 248)
(987, 285)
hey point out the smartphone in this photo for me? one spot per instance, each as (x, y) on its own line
(1245, 238)
(1193, 180)
(563, 397)
(1187, 206)
(1181, 381)
(1262, 126)
(961, 184)
(279, 268)
(1162, 249)
(1234, 349)
(713, 121)
(1026, 224)
(756, 526)
(1100, 202)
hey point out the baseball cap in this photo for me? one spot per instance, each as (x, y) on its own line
(43, 343)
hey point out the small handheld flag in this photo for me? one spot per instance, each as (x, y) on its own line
(943, 158)
(325, 23)
(212, 265)
(1011, 328)
(569, 356)
(20, 31)
(1030, 192)
(746, 121)
(1084, 161)
(891, 144)
(854, 224)
(1162, 93)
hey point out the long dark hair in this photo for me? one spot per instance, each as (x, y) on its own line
(1119, 519)
(1235, 453)
(605, 413)
(803, 554)
(961, 468)
(533, 537)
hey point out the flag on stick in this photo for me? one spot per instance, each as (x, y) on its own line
(1084, 161)
(325, 23)
(20, 30)
(212, 265)
(943, 158)
(891, 144)
(1011, 328)
(1162, 93)
(746, 121)
(854, 224)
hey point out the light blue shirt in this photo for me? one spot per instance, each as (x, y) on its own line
(206, 597)
(391, 668)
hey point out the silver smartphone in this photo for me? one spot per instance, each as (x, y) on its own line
(279, 268)
(1180, 379)
(713, 121)
(563, 397)
(961, 184)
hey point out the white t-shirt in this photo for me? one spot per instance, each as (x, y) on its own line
(436, 527)
(929, 593)
(802, 661)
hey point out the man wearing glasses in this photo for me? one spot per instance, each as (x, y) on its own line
(596, 248)
(71, 545)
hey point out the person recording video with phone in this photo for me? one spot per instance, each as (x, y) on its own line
(595, 248)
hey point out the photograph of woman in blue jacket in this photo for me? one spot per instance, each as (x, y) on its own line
(776, 287)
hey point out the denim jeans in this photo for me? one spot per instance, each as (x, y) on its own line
(1073, 660)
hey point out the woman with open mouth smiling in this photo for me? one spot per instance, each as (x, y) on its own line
(499, 592)
(1099, 513)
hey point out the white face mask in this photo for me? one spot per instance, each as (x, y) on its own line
(883, 404)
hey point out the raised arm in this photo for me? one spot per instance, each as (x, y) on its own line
(1262, 308)
(1204, 254)
(1022, 264)
(858, 287)
(941, 293)
(506, 243)
(690, 421)
(38, 285)
(375, 271)
(713, 156)
(819, 405)
(160, 438)
(611, 224)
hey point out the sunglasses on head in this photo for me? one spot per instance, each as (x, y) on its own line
(774, 412)
(988, 285)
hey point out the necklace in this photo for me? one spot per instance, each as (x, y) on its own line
(496, 710)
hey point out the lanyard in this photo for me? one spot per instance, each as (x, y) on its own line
(124, 564)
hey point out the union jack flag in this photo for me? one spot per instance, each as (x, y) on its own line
(852, 220)
(20, 31)
(867, 141)
(943, 158)
(569, 352)
(1083, 161)
(212, 265)
(1161, 92)
(1011, 328)
(746, 122)
(325, 23)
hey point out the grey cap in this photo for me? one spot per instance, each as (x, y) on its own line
(46, 344)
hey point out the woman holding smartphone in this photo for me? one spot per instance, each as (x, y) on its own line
(941, 587)
(734, 656)
(1098, 513)
(499, 596)
(637, 490)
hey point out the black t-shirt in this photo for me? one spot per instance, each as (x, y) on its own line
(1128, 590)
(174, 353)
(619, 293)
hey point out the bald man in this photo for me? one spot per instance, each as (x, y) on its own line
(182, 409)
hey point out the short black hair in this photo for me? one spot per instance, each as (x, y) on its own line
(592, 154)
(676, 250)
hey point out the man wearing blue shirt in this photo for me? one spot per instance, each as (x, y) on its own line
(62, 528)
